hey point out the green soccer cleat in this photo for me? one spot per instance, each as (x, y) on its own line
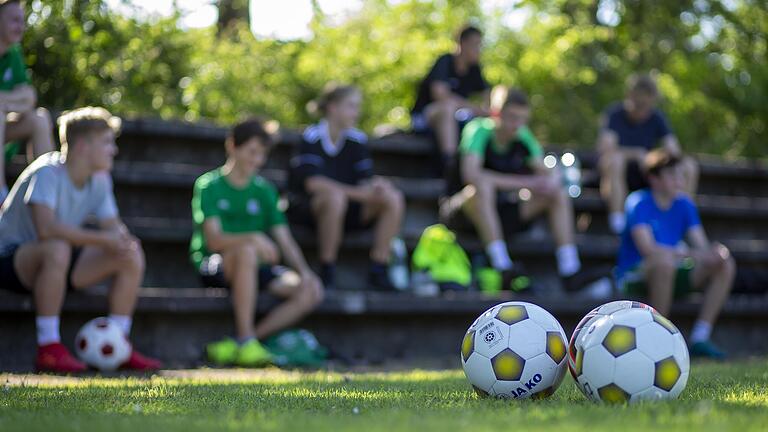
(253, 354)
(224, 352)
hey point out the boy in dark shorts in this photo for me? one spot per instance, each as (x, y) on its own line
(333, 189)
(239, 235)
(443, 102)
(628, 130)
(44, 249)
(652, 263)
(19, 120)
(501, 183)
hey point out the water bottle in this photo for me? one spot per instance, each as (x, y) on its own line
(398, 264)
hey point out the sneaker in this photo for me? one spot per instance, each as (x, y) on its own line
(223, 352)
(582, 278)
(253, 354)
(55, 357)
(515, 279)
(379, 281)
(139, 362)
(707, 349)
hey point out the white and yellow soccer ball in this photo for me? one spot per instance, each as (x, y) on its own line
(101, 344)
(515, 350)
(631, 355)
(594, 315)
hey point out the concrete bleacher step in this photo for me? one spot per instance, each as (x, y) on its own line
(175, 324)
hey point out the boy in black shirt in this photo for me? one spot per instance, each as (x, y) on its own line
(443, 101)
(333, 188)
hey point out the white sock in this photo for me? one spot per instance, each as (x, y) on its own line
(47, 330)
(497, 252)
(617, 221)
(568, 261)
(122, 321)
(701, 331)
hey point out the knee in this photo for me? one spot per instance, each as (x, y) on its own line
(395, 200)
(310, 296)
(612, 163)
(42, 119)
(662, 264)
(447, 108)
(245, 256)
(135, 260)
(332, 200)
(57, 254)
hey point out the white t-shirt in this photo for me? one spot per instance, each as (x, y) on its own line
(46, 182)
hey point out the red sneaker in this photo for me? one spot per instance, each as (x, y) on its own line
(138, 361)
(55, 357)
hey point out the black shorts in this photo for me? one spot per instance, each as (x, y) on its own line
(10, 280)
(635, 178)
(508, 210)
(300, 213)
(212, 273)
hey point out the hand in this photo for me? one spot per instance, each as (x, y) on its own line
(265, 248)
(544, 185)
(120, 242)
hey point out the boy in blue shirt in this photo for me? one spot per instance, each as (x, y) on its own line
(651, 262)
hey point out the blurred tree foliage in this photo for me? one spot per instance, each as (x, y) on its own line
(572, 56)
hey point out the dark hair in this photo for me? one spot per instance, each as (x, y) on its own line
(332, 93)
(81, 121)
(644, 83)
(658, 160)
(247, 129)
(468, 31)
(517, 97)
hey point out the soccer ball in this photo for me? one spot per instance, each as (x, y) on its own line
(631, 355)
(101, 344)
(593, 316)
(514, 350)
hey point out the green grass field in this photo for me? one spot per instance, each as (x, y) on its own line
(732, 396)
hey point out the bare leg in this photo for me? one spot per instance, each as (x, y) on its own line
(388, 210)
(441, 117)
(329, 207)
(479, 204)
(301, 298)
(559, 208)
(660, 272)
(690, 170)
(36, 127)
(43, 266)
(613, 183)
(127, 270)
(716, 277)
(241, 265)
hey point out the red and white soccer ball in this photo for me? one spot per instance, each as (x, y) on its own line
(101, 344)
(594, 315)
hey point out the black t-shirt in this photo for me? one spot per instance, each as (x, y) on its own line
(445, 70)
(645, 134)
(349, 163)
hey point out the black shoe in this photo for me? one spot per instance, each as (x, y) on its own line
(328, 276)
(379, 281)
(583, 278)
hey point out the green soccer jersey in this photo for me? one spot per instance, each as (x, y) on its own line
(13, 71)
(478, 138)
(252, 208)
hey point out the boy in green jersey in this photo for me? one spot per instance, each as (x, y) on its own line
(19, 120)
(239, 237)
(501, 185)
